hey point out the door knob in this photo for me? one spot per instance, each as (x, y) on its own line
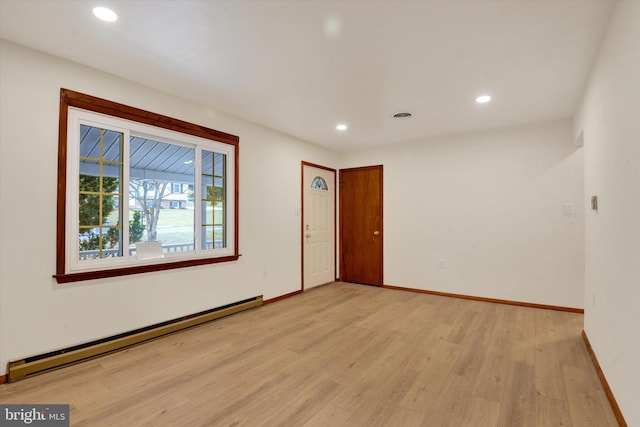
(375, 233)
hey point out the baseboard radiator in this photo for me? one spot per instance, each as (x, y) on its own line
(30, 366)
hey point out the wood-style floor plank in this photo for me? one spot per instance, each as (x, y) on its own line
(343, 355)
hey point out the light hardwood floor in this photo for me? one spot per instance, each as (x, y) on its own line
(343, 354)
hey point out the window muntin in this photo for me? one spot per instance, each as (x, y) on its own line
(99, 195)
(104, 167)
(213, 200)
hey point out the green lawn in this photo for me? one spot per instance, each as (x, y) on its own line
(175, 218)
(174, 225)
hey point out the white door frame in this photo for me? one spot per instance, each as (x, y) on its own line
(302, 217)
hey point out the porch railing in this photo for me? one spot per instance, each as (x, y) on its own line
(175, 247)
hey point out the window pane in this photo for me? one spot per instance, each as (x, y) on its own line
(207, 213)
(213, 237)
(219, 236)
(218, 214)
(213, 199)
(99, 196)
(207, 187)
(207, 237)
(104, 144)
(89, 210)
(99, 243)
(219, 164)
(207, 162)
(219, 189)
(161, 176)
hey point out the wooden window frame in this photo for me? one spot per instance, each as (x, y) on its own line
(69, 98)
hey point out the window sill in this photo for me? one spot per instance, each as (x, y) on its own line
(124, 271)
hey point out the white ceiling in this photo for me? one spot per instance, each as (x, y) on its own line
(301, 67)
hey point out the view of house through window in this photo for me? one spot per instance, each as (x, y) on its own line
(158, 200)
(128, 183)
(160, 175)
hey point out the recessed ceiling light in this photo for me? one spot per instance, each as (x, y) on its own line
(402, 115)
(341, 126)
(483, 99)
(105, 14)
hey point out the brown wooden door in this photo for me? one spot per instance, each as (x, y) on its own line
(361, 225)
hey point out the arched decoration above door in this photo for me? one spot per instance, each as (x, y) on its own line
(319, 183)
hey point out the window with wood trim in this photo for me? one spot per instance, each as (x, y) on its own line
(129, 177)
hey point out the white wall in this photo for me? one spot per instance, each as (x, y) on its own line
(38, 315)
(610, 121)
(490, 205)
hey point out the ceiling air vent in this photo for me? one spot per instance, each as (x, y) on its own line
(402, 116)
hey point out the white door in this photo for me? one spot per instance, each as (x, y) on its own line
(318, 225)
